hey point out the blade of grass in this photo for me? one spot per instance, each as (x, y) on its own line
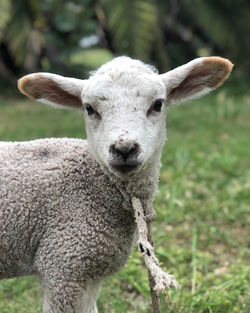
(194, 260)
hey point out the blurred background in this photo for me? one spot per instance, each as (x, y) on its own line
(73, 37)
(203, 204)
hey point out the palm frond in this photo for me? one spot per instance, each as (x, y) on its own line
(21, 31)
(17, 36)
(134, 26)
(224, 23)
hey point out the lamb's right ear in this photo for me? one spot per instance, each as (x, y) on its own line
(52, 89)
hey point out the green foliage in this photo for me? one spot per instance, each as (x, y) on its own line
(201, 234)
(134, 26)
(65, 21)
(45, 35)
(5, 14)
(20, 33)
(224, 23)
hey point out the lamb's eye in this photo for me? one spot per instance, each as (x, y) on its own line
(89, 109)
(157, 105)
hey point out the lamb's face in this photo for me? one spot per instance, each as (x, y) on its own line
(125, 119)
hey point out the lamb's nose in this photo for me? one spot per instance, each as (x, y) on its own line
(125, 151)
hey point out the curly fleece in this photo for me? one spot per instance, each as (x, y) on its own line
(63, 218)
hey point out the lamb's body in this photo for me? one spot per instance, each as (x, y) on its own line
(65, 205)
(55, 196)
(61, 216)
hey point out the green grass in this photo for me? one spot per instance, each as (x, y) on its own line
(202, 228)
(91, 58)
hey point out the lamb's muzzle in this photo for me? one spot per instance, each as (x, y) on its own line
(124, 157)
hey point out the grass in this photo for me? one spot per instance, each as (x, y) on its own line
(202, 228)
(91, 58)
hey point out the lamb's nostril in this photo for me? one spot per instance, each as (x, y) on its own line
(124, 151)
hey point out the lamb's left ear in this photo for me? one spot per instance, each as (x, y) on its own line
(195, 78)
(52, 89)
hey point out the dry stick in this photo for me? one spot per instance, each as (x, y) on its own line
(158, 279)
(154, 295)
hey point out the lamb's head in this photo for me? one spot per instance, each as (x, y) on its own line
(124, 115)
(125, 103)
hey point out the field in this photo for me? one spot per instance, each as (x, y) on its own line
(202, 229)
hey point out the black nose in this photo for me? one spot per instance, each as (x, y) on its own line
(124, 151)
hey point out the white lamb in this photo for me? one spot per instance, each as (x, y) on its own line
(65, 204)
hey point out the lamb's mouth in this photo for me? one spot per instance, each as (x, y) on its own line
(125, 170)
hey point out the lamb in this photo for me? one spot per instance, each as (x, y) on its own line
(65, 204)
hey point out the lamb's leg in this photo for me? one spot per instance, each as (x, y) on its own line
(70, 297)
(62, 297)
(90, 296)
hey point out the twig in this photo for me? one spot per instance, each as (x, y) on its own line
(154, 295)
(158, 279)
